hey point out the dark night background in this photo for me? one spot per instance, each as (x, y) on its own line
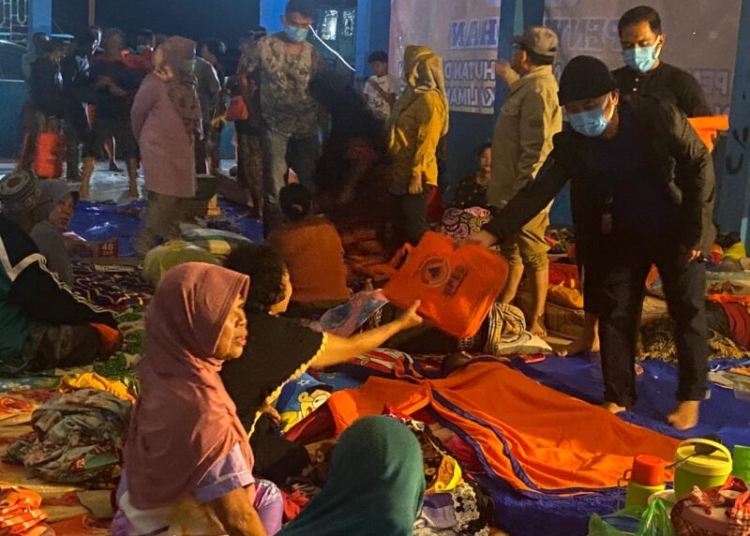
(197, 19)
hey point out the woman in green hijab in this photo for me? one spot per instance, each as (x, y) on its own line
(375, 484)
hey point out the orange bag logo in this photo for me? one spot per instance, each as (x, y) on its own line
(435, 272)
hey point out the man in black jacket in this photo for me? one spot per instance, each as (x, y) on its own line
(642, 193)
(43, 324)
(644, 73)
(77, 93)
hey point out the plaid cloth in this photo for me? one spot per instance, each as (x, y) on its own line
(20, 512)
(738, 517)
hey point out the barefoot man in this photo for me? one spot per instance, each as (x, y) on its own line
(644, 73)
(642, 193)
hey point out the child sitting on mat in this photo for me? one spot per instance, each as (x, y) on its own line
(312, 250)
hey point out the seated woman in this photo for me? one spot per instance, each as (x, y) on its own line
(472, 191)
(48, 235)
(311, 248)
(358, 500)
(188, 466)
(43, 324)
(280, 349)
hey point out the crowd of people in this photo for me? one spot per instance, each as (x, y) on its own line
(642, 193)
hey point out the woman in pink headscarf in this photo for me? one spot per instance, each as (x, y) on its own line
(188, 463)
(167, 119)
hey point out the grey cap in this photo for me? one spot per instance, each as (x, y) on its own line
(539, 40)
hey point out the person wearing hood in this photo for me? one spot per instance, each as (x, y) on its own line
(379, 496)
(418, 121)
(167, 120)
(642, 192)
(48, 235)
(188, 465)
(43, 323)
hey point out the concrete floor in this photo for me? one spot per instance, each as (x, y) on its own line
(106, 186)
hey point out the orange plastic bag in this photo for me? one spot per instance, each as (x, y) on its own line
(237, 109)
(48, 161)
(708, 127)
(457, 285)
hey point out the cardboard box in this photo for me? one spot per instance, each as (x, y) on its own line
(92, 251)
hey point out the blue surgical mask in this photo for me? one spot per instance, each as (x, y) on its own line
(591, 123)
(641, 59)
(294, 34)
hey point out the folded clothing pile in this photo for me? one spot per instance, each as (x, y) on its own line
(77, 439)
(21, 513)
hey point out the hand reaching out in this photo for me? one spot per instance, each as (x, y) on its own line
(410, 318)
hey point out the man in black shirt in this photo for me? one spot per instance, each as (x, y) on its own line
(642, 192)
(77, 94)
(116, 86)
(644, 74)
(642, 42)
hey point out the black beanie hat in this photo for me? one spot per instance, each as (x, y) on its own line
(583, 78)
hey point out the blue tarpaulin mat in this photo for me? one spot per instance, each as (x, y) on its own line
(721, 414)
(105, 221)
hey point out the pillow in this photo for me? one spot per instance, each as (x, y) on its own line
(300, 399)
(507, 335)
(460, 223)
(162, 258)
(215, 241)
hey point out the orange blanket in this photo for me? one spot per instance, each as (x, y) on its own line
(531, 436)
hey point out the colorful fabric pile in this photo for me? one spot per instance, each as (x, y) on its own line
(77, 439)
(119, 287)
(21, 513)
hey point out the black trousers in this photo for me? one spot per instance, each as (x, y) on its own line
(622, 268)
(409, 217)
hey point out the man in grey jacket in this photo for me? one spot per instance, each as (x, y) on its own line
(528, 120)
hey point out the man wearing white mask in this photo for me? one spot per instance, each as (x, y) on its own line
(642, 42)
(642, 192)
(644, 73)
(286, 63)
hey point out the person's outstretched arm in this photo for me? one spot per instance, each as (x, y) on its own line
(341, 349)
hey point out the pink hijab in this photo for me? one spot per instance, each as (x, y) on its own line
(184, 421)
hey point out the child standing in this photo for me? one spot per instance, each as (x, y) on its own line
(382, 88)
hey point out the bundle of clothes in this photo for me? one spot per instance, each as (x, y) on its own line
(77, 439)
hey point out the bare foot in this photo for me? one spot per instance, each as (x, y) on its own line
(686, 415)
(538, 328)
(134, 194)
(614, 408)
(582, 345)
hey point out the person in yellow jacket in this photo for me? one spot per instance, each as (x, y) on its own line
(418, 121)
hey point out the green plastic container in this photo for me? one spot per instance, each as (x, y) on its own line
(704, 470)
(742, 463)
